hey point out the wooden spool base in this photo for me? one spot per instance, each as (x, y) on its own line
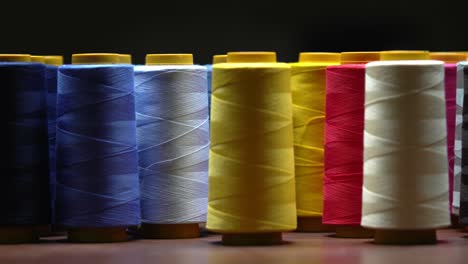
(170, 231)
(252, 239)
(97, 235)
(312, 225)
(405, 237)
(353, 231)
(18, 234)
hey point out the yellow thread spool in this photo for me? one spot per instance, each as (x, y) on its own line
(55, 60)
(18, 234)
(169, 231)
(389, 55)
(251, 175)
(359, 57)
(219, 59)
(448, 57)
(94, 234)
(125, 58)
(308, 97)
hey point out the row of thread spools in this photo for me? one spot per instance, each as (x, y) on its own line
(300, 146)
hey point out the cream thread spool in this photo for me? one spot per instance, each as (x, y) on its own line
(405, 192)
(251, 175)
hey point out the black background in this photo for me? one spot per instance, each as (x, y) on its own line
(205, 29)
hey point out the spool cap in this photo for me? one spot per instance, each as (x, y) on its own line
(320, 57)
(125, 58)
(448, 57)
(15, 58)
(389, 55)
(359, 57)
(95, 58)
(169, 59)
(37, 58)
(56, 60)
(251, 57)
(219, 58)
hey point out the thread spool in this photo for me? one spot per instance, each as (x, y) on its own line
(251, 175)
(462, 76)
(173, 144)
(97, 164)
(52, 62)
(405, 191)
(344, 125)
(392, 55)
(458, 139)
(209, 71)
(308, 97)
(450, 59)
(25, 195)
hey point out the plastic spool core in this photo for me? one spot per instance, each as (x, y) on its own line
(18, 234)
(319, 57)
(251, 57)
(404, 55)
(219, 59)
(95, 58)
(15, 58)
(125, 58)
(169, 59)
(38, 59)
(448, 57)
(55, 60)
(359, 57)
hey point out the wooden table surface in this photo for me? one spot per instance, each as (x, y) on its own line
(452, 248)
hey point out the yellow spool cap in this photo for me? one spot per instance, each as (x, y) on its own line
(95, 58)
(390, 55)
(38, 59)
(359, 57)
(15, 58)
(319, 57)
(448, 57)
(53, 60)
(125, 58)
(252, 57)
(169, 59)
(219, 59)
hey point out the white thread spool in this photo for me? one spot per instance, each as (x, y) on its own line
(173, 144)
(462, 74)
(458, 138)
(405, 192)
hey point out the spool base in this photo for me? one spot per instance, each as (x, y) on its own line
(170, 231)
(18, 234)
(274, 238)
(44, 230)
(312, 225)
(97, 235)
(353, 231)
(405, 237)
